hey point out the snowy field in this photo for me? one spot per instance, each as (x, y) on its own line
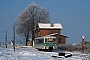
(30, 53)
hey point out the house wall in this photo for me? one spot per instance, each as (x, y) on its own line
(60, 39)
(44, 32)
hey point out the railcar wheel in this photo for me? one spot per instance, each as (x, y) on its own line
(50, 49)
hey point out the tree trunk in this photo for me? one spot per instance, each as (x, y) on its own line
(27, 38)
(33, 36)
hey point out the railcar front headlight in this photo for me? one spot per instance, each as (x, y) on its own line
(44, 44)
(55, 44)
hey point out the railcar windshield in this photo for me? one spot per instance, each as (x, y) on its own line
(50, 39)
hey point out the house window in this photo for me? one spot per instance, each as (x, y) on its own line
(59, 40)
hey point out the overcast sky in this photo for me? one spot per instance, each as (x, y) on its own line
(74, 15)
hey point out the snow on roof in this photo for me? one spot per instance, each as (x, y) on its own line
(57, 34)
(50, 25)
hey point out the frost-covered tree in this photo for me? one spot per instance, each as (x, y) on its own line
(29, 18)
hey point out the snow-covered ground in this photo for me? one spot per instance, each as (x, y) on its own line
(30, 53)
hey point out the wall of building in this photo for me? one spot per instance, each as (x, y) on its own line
(44, 32)
(60, 39)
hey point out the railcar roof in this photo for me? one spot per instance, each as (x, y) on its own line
(46, 37)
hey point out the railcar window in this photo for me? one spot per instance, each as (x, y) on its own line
(46, 39)
(54, 39)
(39, 41)
(50, 40)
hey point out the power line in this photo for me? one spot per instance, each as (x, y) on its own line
(46, 3)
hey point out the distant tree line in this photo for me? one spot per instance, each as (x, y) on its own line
(76, 47)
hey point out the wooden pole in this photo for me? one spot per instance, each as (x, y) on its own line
(6, 39)
(14, 37)
(82, 45)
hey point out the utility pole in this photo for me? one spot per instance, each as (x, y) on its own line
(6, 39)
(83, 43)
(14, 37)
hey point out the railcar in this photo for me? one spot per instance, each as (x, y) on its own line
(45, 43)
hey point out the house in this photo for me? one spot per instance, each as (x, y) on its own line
(44, 29)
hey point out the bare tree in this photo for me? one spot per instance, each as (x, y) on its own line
(29, 18)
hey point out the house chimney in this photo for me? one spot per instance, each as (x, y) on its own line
(51, 24)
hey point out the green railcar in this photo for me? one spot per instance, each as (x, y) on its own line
(45, 42)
